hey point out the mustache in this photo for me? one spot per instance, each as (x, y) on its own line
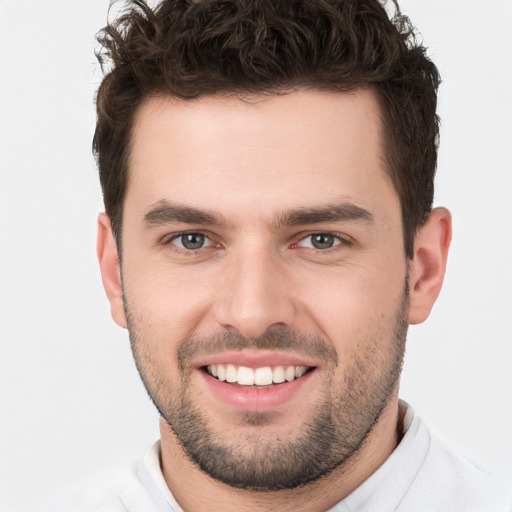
(275, 338)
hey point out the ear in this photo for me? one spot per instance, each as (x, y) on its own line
(110, 269)
(428, 264)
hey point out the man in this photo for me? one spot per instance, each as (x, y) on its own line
(267, 170)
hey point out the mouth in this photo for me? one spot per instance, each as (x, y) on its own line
(256, 378)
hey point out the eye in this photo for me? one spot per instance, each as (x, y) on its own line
(321, 241)
(191, 241)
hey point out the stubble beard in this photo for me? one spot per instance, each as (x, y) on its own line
(331, 437)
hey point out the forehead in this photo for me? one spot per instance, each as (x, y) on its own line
(285, 150)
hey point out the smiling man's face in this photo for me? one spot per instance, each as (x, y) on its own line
(265, 280)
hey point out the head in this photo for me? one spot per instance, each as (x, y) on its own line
(267, 170)
(192, 49)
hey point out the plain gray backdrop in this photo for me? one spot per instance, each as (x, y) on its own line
(71, 402)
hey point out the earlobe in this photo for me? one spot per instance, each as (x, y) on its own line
(110, 269)
(428, 265)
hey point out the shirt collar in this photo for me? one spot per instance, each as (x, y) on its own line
(384, 490)
(153, 465)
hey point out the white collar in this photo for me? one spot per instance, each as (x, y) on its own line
(384, 490)
(153, 464)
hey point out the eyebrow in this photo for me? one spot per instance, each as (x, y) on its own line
(163, 212)
(346, 212)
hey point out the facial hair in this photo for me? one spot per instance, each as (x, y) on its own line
(349, 409)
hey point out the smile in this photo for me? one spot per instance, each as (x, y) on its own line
(263, 376)
(257, 380)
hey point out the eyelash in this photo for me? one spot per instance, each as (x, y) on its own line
(182, 250)
(341, 240)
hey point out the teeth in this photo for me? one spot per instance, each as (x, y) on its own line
(231, 373)
(245, 376)
(278, 375)
(299, 371)
(263, 376)
(289, 373)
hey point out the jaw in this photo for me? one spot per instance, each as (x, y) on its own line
(183, 477)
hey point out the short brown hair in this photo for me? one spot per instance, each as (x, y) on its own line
(193, 48)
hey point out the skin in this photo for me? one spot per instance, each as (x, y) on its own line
(251, 162)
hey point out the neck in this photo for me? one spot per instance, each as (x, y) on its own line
(184, 478)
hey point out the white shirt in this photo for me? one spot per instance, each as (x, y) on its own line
(421, 475)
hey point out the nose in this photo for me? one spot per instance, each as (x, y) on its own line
(254, 295)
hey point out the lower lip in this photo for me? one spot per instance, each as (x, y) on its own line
(250, 399)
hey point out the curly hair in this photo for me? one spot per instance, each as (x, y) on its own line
(192, 48)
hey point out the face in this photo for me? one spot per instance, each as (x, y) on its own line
(264, 280)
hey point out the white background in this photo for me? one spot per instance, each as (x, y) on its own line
(70, 399)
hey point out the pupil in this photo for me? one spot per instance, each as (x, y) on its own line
(322, 241)
(192, 240)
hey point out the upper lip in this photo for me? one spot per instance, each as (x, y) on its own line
(254, 358)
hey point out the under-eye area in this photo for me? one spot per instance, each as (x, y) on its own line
(263, 376)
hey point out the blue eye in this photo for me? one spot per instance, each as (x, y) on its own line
(191, 241)
(320, 241)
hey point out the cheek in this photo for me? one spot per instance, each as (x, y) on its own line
(353, 306)
(166, 305)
